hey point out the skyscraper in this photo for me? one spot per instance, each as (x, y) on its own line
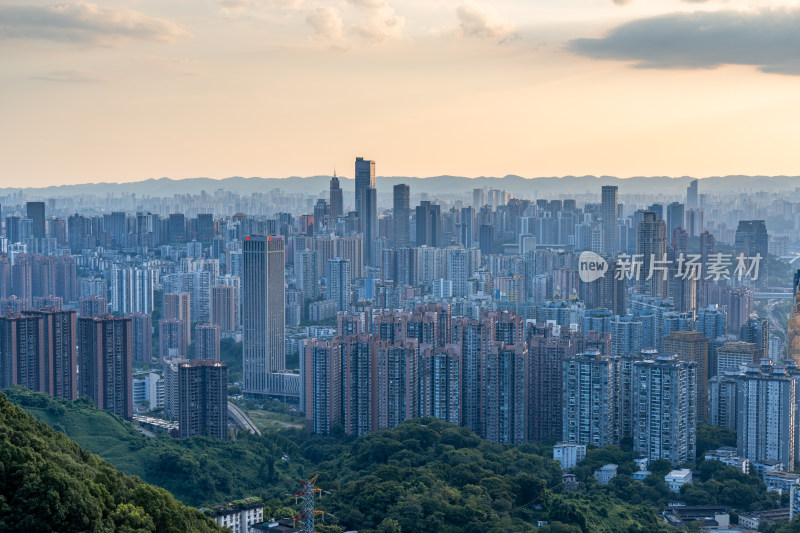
(142, 341)
(692, 347)
(207, 342)
(35, 212)
(323, 385)
(504, 399)
(610, 201)
(651, 245)
(335, 198)
(369, 223)
(223, 307)
(339, 278)
(179, 307)
(766, 417)
(365, 179)
(674, 217)
(263, 312)
(203, 399)
(591, 396)
(400, 214)
(664, 414)
(105, 355)
(692, 201)
(752, 240)
(545, 400)
(37, 351)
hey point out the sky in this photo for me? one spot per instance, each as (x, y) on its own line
(130, 90)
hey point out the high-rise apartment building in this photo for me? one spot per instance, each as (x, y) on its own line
(207, 342)
(766, 417)
(223, 307)
(545, 401)
(428, 224)
(651, 246)
(591, 399)
(92, 306)
(142, 340)
(323, 386)
(179, 307)
(263, 312)
(203, 399)
(664, 414)
(692, 347)
(504, 399)
(105, 358)
(172, 341)
(440, 382)
(675, 217)
(338, 279)
(37, 351)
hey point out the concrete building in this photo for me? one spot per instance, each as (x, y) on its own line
(207, 342)
(569, 454)
(678, 478)
(606, 473)
(591, 395)
(203, 399)
(105, 356)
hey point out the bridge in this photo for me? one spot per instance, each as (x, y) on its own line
(241, 420)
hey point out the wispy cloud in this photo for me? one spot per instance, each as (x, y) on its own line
(326, 22)
(70, 76)
(768, 39)
(85, 23)
(380, 22)
(482, 22)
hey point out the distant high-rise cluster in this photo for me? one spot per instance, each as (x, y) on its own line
(591, 317)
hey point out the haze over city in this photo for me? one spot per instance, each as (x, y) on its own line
(130, 90)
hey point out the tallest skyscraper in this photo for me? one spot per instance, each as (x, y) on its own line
(365, 179)
(610, 200)
(263, 313)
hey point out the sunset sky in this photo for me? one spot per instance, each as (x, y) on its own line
(130, 90)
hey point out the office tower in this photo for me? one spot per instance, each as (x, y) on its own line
(203, 399)
(365, 179)
(658, 209)
(369, 224)
(35, 212)
(756, 331)
(223, 307)
(142, 337)
(651, 245)
(206, 342)
(609, 203)
(692, 200)
(105, 357)
(545, 401)
(722, 401)
(766, 417)
(692, 347)
(428, 224)
(734, 355)
(37, 351)
(338, 278)
(172, 341)
(323, 386)
(205, 227)
(336, 199)
(504, 398)
(179, 307)
(694, 222)
(674, 217)
(320, 214)
(397, 385)
(486, 239)
(711, 321)
(263, 312)
(591, 396)
(400, 214)
(92, 306)
(752, 240)
(663, 411)
(176, 228)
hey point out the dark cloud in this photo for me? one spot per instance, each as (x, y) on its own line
(83, 22)
(767, 39)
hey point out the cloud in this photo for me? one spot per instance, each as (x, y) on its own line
(482, 22)
(239, 5)
(381, 22)
(768, 39)
(84, 22)
(622, 2)
(70, 76)
(326, 22)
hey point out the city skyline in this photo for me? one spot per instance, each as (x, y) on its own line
(137, 90)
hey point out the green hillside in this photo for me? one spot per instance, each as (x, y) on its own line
(48, 483)
(198, 471)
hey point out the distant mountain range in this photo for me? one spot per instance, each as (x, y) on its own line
(432, 185)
